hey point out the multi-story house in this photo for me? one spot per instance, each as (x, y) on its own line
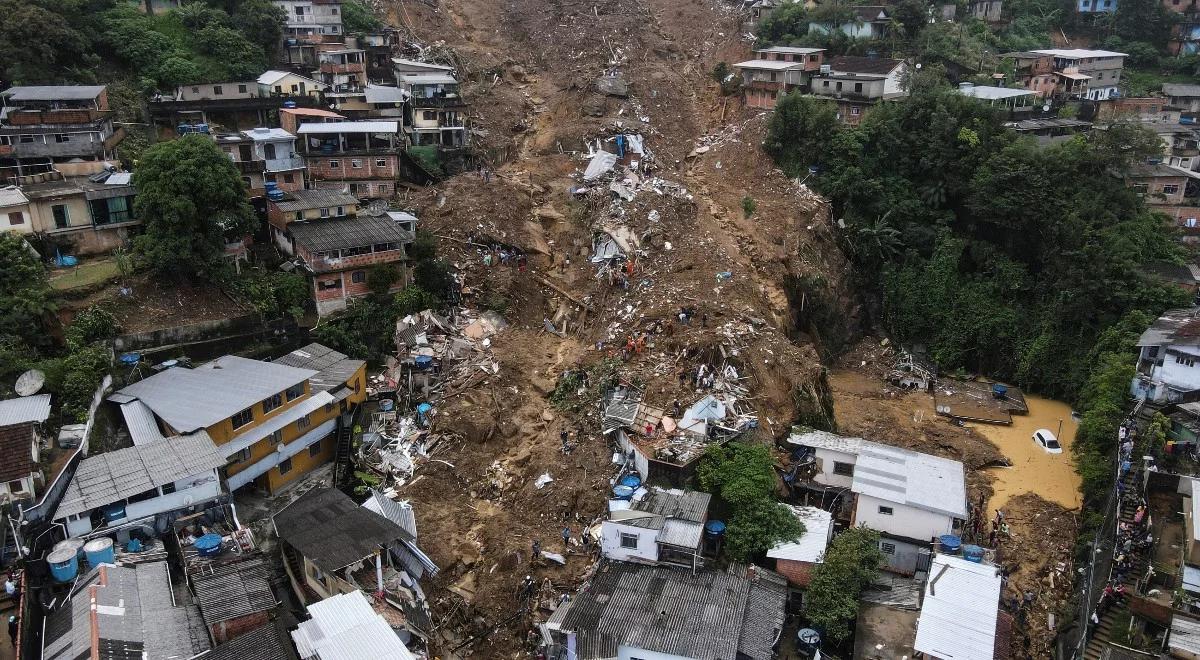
(344, 72)
(1158, 183)
(271, 423)
(362, 156)
(1032, 71)
(21, 419)
(1185, 34)
(338, 246)
(1184, 97)
(858, 83)
(664, 526)
(1089, 74)
(1168, 353)
(290, 119)
(309, 23)
(264, 155)
(1096, 6)
(232, 106)
(908, 497)
(84, 215)
(438, 110)
(776, 71)
(63, 128)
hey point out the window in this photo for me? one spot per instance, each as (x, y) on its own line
(243, 418)
(241, 456)
(429, 115)
(288, 178)
(62, 217)
(294, 391)
(314, 449)
(168, 488)
(1170, 189)
(358, 276)
(1140, 188)
(27, 139)
(825, 83)
(356, 163)
(885, 511)
(272, 402)
(16, 218)
(858, 87)
(335, 163)
(218, 90)
(855, 110)
(241, 89)
(380, 162)
(333, 10)
(195, 90)
(385, 189)
(844, 469)
(325, 285)
(1185, 361)
(299, 10)
(629, 541)
(276, 437)
(341, 210)
(887, 548)
(773, 76)
(324, 213)
(299, 215)
(16, 486)
(61, 138)
(285, 466)
(303, 423)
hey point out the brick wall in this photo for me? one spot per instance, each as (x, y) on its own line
(232, 629)
(798, 573)
(321, 167)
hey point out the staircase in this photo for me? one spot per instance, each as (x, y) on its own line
(295, 569)
(1102, 633)
(342, 460)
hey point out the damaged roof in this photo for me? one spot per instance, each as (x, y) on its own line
(711, 615)
(333, 369)
(332, 531)
(233, 589)
(304, 200)
(266, 642)
(871, 65)
(339, 233)
(1176, 326)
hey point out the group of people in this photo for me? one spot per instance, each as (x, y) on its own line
(1133, 537)
(503, 255)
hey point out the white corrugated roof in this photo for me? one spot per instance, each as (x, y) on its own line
(772, 65)
(959, 611)
(421, 65)
(1078, 53)
(400, 513)
(271, 77)
(139, 419)
(682, 533)
(791, 50)
(191, 399)
(12, 196)
(428, 79)
(1185, 635)
(810, 547)
(827, 440)
(345, 627)
(25, 409)
(911, 478)
(350, 127)
(989, 93)
(262, 134)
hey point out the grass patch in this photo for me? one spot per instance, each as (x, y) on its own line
(86, 274)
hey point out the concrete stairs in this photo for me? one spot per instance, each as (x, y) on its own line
(1102, 633)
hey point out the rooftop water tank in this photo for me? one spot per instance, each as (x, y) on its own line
(623, 492)
(74, 544)
(714, 527)
(209, 545)
(973, 553)
(631, 480)
(64, 564)
(100, 551)
(289, 104)
(950, 544)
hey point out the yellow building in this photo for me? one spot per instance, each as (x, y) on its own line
(272, 421)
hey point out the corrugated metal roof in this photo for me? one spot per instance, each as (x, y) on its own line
(119, 179)
(386, 94)
(420, 65)
(911, 478)
(400, 513)
(265, 134)
(810, 547)
(16, 451)
(827, 440)
(790, 50)
(341, 233)
(191, 399)
(670, 610)
(686, 505)
(681, 533)
(53, 93)
(1175, 326)
(113, 476)
(303, 200)
(332, 531)
(1078, 53)
(12, 196)
(959, 610)
(427, 79)
(140, 421)
(233, 589)
(350, 127)
(1185, 635)
(334, 369)
(769, 65)
(1175, 89)
(345, 627)
(25, 409)
(264, 643)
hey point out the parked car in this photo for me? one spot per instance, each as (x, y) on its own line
(1046, 440)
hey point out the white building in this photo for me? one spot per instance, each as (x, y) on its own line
(346, 626)
(664, 526)
(909, 497)
(959, 611)
(1003, 97)
(1169, 351)
(141, 482)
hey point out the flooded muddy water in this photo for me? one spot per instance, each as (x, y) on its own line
(1051, 476)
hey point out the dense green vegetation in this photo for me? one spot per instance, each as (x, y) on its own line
(850, 565)
(742, 475)
(1002, 257)
(81, 40)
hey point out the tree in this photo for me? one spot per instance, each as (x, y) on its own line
(37, 45)
(743, 476)
(799, 132)
(24, 292)
(850, 565)
(759, 525)
(190, 198)
(785, 25)
(357, 18)
(262, 22)
(241, 58)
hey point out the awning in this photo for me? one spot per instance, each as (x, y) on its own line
(276, 423)
(282, 452)
(1073, 76)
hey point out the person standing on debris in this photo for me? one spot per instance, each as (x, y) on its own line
(566, 536)
(536, 551)
(522, 263)
(566, 437)
(12, 630)
(704, 320)
(675, 409)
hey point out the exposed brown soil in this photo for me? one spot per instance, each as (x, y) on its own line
(152, 304)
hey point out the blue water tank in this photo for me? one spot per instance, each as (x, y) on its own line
(950, 543)
(209, 545)
(386, 405)
(276, 195)
(75, 545)
(973, 553)
(714, 527)
(64, 564)
(632, 480)
(100, 551)
(289, 104)
(423, 361)
(623, 492)
(114, 512)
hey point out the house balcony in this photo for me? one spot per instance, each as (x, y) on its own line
(332, 264)
(283, 164)
(57, 119)
(72, 149)
(1185, 151)
(844, 95)
(421, 102)
(351, 67)
(249, 166)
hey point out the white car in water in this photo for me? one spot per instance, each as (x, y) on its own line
(1045, 439)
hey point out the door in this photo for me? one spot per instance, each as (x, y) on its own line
(269, 150)
(245, 153)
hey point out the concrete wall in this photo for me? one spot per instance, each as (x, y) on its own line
(825, 460)
(901, 556)
(904, 520)
(640, 461)
(1178, 375)
(339, 168)
(182, 334)
(610, 542)
(210, 91)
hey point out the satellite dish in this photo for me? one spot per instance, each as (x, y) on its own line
(30, 382)
(1046, 108)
